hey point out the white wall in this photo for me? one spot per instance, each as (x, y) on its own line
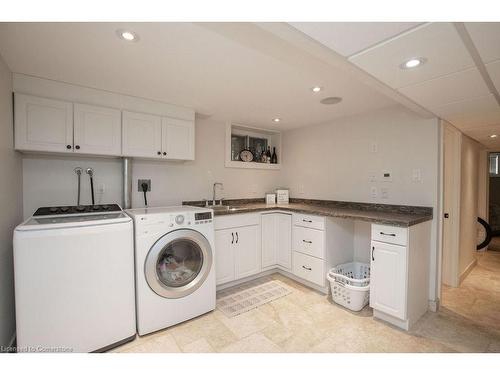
(468, 204)
(10, 202)
(50, 180)
(334, 161)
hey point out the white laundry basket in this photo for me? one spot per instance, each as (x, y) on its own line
(350, 284)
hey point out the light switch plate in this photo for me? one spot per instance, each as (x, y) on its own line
(372, 177)
(416, 175)
(373, 147)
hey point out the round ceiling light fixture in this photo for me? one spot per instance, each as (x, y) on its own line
(493, 136)
(127, 35)
(316, 89)
(331, 100)
(413, 63)
(277, 119)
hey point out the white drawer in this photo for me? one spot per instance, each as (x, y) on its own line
(390, 234)
(236, 220)
(309, 268)
(309, 221)
(309, 241)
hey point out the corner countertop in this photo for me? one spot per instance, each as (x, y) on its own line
(395, 215)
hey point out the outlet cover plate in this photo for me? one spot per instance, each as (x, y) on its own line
(139, 184)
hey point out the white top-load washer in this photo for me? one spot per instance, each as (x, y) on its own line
(175, 265)
(74, 279)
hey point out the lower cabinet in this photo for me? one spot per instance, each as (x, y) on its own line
(276, 240)
(399, 267)
(388, 279)
(237, 253)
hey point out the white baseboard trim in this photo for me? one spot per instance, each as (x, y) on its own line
(467, 270)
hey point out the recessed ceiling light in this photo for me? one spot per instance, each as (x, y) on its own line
(277, 119)
(493, 136)
(413, 63)
(316, 89)
(127, 35)
(331, 100)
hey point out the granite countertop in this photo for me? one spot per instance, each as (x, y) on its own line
(401, 216)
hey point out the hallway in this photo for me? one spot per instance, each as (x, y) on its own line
(478, 297)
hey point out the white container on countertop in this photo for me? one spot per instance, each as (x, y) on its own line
(270, 198)
(282, 196)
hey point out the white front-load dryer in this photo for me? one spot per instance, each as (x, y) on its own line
(175, 265)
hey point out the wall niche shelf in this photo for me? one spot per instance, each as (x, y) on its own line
(239, 137)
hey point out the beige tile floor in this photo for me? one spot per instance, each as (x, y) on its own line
(307, 321)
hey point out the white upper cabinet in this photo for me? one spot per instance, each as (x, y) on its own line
(97, 130)
(49, 125)
(142, 135)
(178, 139)
(43, 124)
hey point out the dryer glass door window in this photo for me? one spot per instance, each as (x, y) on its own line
(179, 263)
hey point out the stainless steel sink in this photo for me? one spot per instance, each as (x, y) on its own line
(223, 208)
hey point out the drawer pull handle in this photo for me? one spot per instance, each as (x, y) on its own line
(373, 249)
(306, 241)
(388, 234)
(307, 221)
(232, 235)
(307, 268)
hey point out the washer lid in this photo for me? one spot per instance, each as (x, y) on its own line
(71, 221)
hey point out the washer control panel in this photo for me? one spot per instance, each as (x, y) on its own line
(203, 217)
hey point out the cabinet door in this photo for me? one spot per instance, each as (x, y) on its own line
(388, 279)
(269, 239)
(178, 139)
(224, 255)
(98, 130)
(43, 124)
(284, 243)
(141, 135)
(248, 257)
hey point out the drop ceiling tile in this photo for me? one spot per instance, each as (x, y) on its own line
(450, 88)
(439, 43)
(486, 38)
(494, 72)
(348, 38)
(471, 113)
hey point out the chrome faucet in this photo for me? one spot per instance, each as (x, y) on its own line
(215, 190)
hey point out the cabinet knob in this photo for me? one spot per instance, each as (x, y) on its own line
(164, 153)
(159, 152)
(68, 147)
(77, 147)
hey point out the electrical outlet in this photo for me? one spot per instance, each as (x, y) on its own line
(373, 147)
(372, 177)
(101, 188)
(254, 188)
(301, 189)
(140, 182)
(373, 192)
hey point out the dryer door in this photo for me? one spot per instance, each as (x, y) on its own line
(178, 263)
